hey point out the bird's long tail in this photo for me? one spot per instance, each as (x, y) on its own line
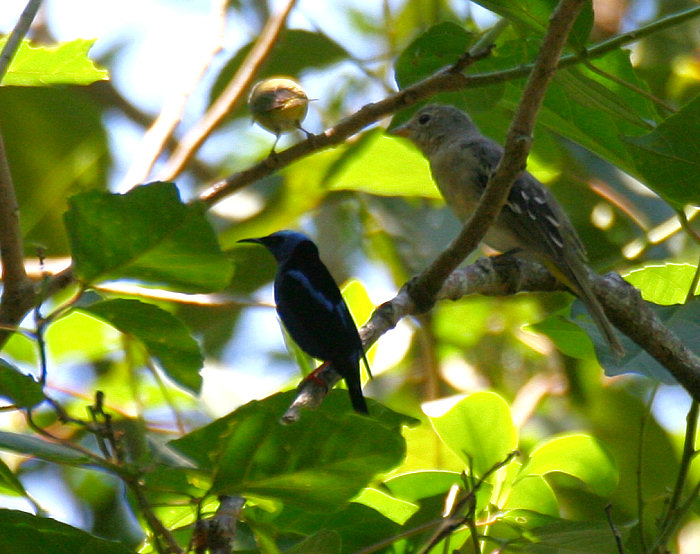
(577, 280)
(350, 370)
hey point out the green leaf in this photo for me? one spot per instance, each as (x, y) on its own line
(479, 429)
(535, 14)
(665, 284)
(683, 320)
(32, 446)
(434, 49)
(147, 234)
(165, 337)
(324, 541)
(532, 492)
(569, 338)
(66, 63)
(318, 464)
(398, 511)
(666, 159)
(580, 456)
(384, 166)
(414, 486)
(22, 533)
(9, 484)
(567, 537)
(20, 389)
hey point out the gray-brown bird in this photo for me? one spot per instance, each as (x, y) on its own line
(532, 223)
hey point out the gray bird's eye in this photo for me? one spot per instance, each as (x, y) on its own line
(424, 119)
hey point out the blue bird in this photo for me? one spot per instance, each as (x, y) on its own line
(313, 310)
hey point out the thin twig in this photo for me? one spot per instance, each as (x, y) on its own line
(18, 290)
(159, 530)
(230, 96)
(18, 33)
(614, 529)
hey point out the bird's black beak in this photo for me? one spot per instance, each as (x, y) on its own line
(254, 241)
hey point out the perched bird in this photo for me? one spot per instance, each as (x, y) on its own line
(532, 223)
(313, 310)
(278, 105)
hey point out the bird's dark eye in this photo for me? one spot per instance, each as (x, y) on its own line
(424, 119)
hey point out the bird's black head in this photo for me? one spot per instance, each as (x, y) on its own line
(282, 244)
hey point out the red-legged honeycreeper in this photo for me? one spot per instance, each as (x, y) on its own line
(312, 309)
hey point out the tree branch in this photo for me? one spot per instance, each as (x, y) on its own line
(506, 275)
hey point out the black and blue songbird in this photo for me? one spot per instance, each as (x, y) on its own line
(313, 310)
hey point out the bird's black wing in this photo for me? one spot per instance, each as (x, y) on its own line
(313, 310)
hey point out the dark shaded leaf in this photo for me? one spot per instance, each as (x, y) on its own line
(22, 533)
(668, 159)
(147, 234)
(20, 389)
(319, 463)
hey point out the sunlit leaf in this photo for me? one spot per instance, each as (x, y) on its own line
(387, 167)
(666, 284)
(580, 456)
(66, 63)
(479, 429)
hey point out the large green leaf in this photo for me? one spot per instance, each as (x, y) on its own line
(580, 456)
(324, 541)
(66, 63)
(668, 158)
(165, 337)
(147, 234)
(532, 492)
(20, 389)
(479, 429)
(22, 533)
(319, 463)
